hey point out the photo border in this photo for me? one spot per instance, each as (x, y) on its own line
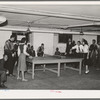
(49, 94)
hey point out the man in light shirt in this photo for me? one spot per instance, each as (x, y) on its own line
(78, 47)
(79, 51)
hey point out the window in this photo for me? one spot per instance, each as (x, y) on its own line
(19, 35)
(63, 38)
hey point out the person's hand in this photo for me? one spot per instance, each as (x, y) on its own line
(13, 55)
(70, 52)
(30, 57)
(87, 57)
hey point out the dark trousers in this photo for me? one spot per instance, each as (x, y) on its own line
(15, 59)
(10, 66)
(3, 77)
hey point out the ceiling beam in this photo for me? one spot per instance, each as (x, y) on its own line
(48, 14)
(84, 25)
(39, 30)
(44, 30)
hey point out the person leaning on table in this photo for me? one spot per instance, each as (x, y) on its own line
(79, 49)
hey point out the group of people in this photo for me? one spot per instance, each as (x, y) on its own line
(15, 54)
(91, 54)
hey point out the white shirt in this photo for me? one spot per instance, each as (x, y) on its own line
(79, 49)
(85, 48)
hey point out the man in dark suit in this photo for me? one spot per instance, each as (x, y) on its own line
(9, 50)
(3, 77)
(68, 46)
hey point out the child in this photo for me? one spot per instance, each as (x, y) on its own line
(40, 51)
(57, 52)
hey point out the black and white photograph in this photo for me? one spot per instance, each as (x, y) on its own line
(51, 47)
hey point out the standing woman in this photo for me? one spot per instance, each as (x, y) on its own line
(22, 59)
(86, 55)
(93, 52)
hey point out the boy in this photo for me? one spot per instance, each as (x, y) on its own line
(57, 52)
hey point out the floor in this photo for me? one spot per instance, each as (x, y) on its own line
(69, 80)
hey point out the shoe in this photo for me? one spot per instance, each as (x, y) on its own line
(3, 86)
(7, 72)
(25, 80)
(12, 75)
(19, 78)
(86, 72)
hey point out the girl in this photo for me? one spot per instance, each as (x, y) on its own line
(22, 59)
(86, 53)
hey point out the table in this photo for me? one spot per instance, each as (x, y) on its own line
(55, 60)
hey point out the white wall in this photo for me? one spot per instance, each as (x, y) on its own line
(51, 41)
(4, 35)
(31, 36)
(62, 46)
(89, 38)
(45, 38)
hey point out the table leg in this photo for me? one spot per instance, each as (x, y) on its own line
(80, 67)
(44, 68)
(33, 70)
(58, 69)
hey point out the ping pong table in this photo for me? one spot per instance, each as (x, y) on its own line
(55, 60)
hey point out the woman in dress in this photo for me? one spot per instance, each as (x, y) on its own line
(22, 59)
(86, 55)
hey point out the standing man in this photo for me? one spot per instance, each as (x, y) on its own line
(79, 49)
(68, 46)
(9, 50)
(40, 51)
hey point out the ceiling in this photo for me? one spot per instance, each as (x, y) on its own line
(63, 17)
